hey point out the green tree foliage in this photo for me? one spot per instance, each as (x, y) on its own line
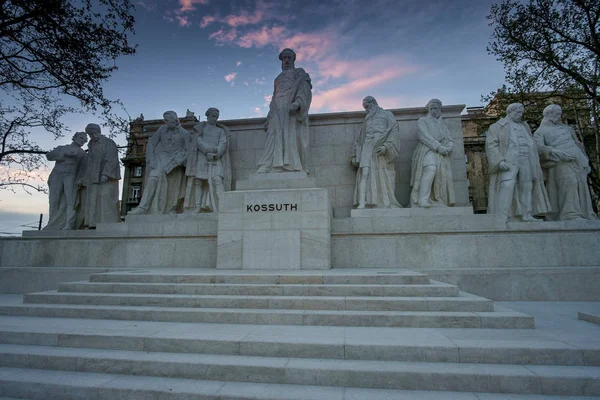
(551, 54)
(55, 56)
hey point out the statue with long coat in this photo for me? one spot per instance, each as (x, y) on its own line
(102, 175)
(208, 167)
(563, 157)
(374, 152)
(431, 172)
(165, 160)
(65, 183)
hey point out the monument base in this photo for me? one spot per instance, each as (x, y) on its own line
(280, 180)
(275, 229)
(417, 220)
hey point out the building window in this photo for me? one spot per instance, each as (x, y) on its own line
(135, 193)
(137, 171)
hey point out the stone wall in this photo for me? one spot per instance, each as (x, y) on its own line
(331, 141)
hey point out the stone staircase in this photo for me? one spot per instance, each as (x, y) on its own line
(337, 334)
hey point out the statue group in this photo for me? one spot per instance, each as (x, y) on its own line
(84, 187)
(517, 161)
(194, 169)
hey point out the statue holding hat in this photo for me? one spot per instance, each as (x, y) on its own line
(287, 122)
(431, 173)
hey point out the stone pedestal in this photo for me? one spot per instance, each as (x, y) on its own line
(431, 220)
(283, 180)
(412, 212)
(276, 228)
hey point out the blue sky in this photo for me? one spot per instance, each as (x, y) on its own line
(194, 54)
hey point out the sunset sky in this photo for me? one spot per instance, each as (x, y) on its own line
(193, 54)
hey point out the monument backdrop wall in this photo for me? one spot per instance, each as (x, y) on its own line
(331, 139)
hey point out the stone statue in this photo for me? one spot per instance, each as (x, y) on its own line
(568, 166)
(165, 158)
(208, 167)
(102, 175)
(139, 119)
(516, 181)
(287, 122)
(431, 174)
(65, 182)
(189, 114)
(373, 152)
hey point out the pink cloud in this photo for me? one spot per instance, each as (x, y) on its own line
(237, 64)
(188, 5)
(230, 77)
(267, 100)
(261, 38)
(183, 20)
(244, 18)
(222, 37)
(349, 96)
(207, 20)
(310, 46)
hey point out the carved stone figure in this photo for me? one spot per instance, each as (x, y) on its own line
(65, 182)
(568, 166)
(165, 159)
(431, 174)
(516, 181)
(102, 175)
(208, 166)
(287, 122)
(373, 152)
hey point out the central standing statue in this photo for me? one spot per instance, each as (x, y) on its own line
(287, 122)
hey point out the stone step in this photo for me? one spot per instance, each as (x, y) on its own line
(409, 344)
(517, 379)
(499, 319)
(43, 385)
(435, 289)
(463, 303)
(331, 277)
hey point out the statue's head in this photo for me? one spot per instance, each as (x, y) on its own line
(288, 58)
(553, 113)
(369, 102)
(515, 111)
(80, 138)
(94, 132)
(434, 108)
(170, 118)
(212, 115)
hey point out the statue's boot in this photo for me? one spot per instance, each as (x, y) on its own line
(147, 197)
(263, 169)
